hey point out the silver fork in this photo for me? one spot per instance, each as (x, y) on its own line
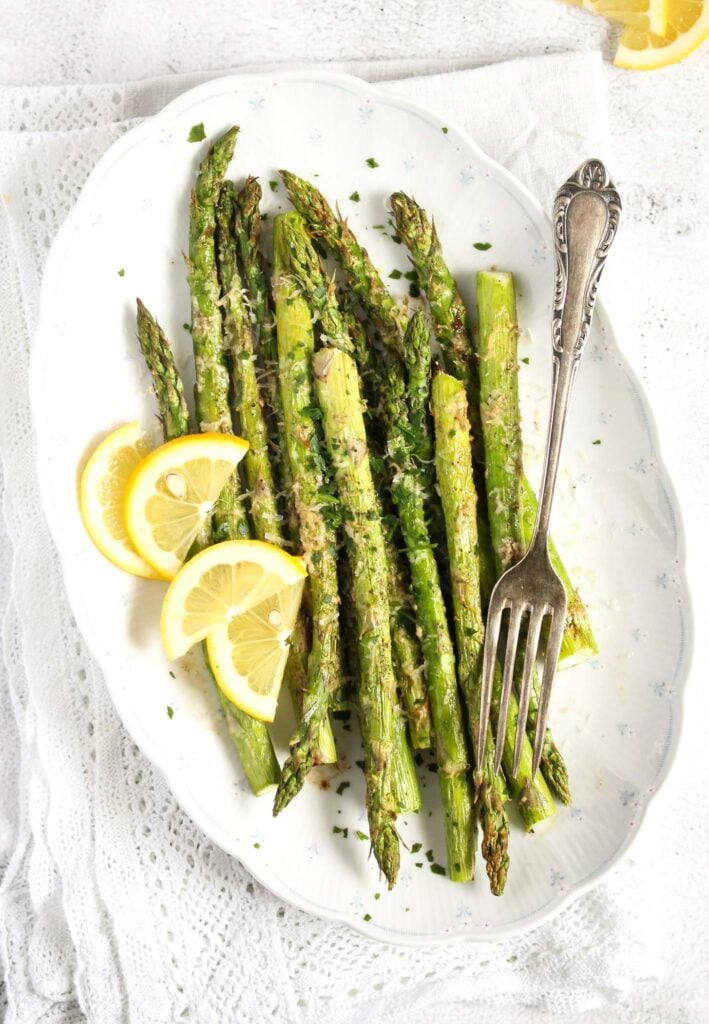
(585, 218)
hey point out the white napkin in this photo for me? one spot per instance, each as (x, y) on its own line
(114, 906)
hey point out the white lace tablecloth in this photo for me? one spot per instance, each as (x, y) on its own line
(113, 906)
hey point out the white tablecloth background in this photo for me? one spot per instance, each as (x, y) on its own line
(660, 163)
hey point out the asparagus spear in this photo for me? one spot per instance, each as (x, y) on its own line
(338, 394)
(447, 310)
(211, 373)
(212, 377)
(249, 408)
(247, 401)
(346, 334)
(404, 782)
(454, 333)
(250, 738)
(318, 539)
(364, 279)
(167, 383)
(247, 228)
(454, 472)
(408, 493)
(499, 408)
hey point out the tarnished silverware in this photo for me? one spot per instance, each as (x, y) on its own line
(586, 213)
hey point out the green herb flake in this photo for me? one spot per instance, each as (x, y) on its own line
(418, 864)
(360, 764)
(367, 917)
(410, 275)
(172, 674)
(429, 856)
(273, 185)
(197, 133)
(355, 196)
(121, 272)
(344, 832)
(444, 130)
(416, 847)
(377, 895)
(525, 360)
(482, 246)
(170, 711)
(341, 788)
(598, 441)
(395, 275)
(438, 869)
(414, 290)
(257, 846)
(361, 835)
(371, 162)
(186, 327)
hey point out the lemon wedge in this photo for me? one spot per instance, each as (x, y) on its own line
(650, 15)
(687, 27)
(173, 491)
(102, 492)
(242, 597)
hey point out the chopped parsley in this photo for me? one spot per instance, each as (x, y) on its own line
(361, 835)
(121, 272)
(273, 185)
(355, 197)
(598, 441)
(197, 133)
(482, 246)
(444, 130)
(170, 711)
(395, 275)
(341, 788)
(371, 162)
(437, 869)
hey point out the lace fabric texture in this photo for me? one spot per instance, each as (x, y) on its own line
(114, 906)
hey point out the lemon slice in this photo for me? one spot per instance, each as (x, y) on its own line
(242, 597)
(101, 495)
(650, 15)
(173, 490)
(687, 28)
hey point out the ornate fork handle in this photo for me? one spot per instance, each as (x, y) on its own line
(586, 214)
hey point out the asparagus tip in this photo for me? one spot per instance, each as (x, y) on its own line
(386, 851)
